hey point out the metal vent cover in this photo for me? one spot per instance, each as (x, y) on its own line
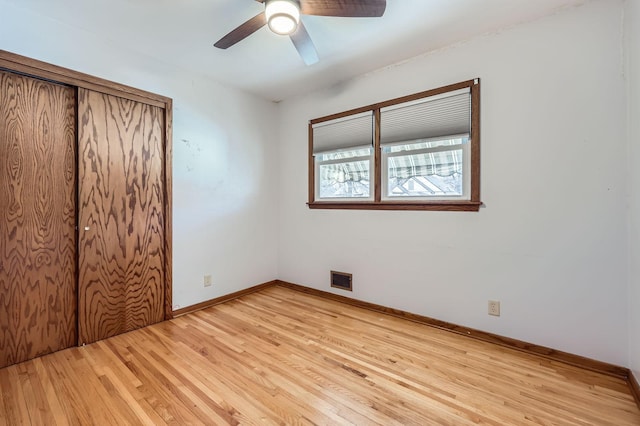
(341, 280)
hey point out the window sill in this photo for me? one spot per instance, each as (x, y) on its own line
(457, 206)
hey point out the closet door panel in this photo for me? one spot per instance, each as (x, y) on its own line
(121, 219)
(37, 218)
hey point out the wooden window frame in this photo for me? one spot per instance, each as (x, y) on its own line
(473, 204)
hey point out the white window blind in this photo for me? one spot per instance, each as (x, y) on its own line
(433, 117)
(351, 132)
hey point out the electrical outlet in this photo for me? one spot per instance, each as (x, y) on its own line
(208, 280)
(494, 308)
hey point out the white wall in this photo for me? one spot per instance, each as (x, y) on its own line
(632, 38)
(550, 243)
(224, 217)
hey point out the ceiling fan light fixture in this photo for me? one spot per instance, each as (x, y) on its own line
(282, 16)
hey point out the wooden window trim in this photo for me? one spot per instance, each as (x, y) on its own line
(377, 160)
(473, 204)
(456, 206)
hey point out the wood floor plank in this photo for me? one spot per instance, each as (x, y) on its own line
(280, 356)
(21, 411)
(42, 375)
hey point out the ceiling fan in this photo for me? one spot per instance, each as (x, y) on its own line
(283, 18)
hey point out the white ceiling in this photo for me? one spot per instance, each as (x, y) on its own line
(182, 32)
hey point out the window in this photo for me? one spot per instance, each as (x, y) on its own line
(418, 152)
(427, 169)
(345, 174)
(343, 152)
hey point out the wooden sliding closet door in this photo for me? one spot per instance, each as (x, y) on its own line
(37, 218)
(121, 220)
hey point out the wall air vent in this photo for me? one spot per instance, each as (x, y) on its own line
(341, 280)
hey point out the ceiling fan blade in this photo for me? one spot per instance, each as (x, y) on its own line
(344, 8)
(242, 32)
(304, 45)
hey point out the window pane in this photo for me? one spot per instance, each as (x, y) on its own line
(433, 174)
(339, 155)
(434, 143)
(344, 180)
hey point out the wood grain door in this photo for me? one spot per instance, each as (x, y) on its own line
(121, 219)
(37, 218)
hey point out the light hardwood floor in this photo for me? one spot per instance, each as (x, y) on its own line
(284, 357)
